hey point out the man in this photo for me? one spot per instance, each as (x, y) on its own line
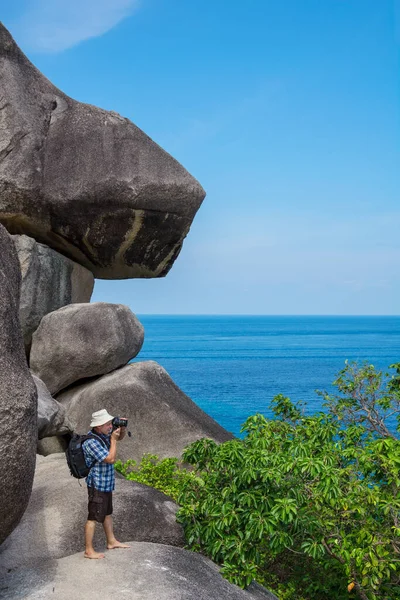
(100, 452)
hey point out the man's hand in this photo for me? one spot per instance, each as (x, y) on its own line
(116, 434)
(112, 455)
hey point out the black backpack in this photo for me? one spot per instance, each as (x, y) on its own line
(75, 455)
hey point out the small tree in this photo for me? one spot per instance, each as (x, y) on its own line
(309, 501)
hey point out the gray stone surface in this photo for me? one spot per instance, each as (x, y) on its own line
(53, 524)
(87, 182)
(18, 400)
(52, 418)
(143, 572)
(52, 445)
(162, 419)
(84, 340)
(49, 281)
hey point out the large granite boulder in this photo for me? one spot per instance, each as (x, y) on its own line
(162, 419)
(49, 281)
(52, 417)
(84, 340)
(85, 181)
(53, 523)
(18, 399)
(143, 572)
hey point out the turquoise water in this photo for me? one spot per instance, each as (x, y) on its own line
(233, 366)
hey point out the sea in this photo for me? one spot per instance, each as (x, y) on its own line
(232, 366)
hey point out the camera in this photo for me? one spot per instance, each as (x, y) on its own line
(118, 422)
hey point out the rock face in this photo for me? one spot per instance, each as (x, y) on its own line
(49, 281)
(85, 181)
(52, 418)
(52, 445)
(162, 419)
(52, 526)
(84, 340)
(18, 400)
(144, 572)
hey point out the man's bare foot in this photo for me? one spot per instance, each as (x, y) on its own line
(116, 544)
(93, 555)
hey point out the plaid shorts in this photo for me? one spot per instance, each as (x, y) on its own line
(100, 505)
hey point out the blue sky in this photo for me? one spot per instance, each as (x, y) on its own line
(286, 111)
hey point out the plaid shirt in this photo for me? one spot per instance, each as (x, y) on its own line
(101, 475)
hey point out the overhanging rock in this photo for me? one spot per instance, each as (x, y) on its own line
(85, 181)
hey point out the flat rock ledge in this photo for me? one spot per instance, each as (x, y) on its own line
(144, 572)
(52, 526)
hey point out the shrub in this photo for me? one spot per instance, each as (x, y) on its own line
(162, 474)
(308, 505)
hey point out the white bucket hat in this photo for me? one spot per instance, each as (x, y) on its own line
(100, 417)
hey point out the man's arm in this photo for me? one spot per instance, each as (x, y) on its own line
(112, 455)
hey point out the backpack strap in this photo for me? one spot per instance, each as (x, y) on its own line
(99, 438)
(88, 436)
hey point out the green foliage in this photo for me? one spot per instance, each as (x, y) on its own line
(161, 474)
(307, 505)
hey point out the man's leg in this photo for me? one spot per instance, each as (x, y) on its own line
(93, 516)
(112, 542)
(89, 533)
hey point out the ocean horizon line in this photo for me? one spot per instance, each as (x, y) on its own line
(324, 316)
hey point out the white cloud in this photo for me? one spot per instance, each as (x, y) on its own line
(55, 25)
